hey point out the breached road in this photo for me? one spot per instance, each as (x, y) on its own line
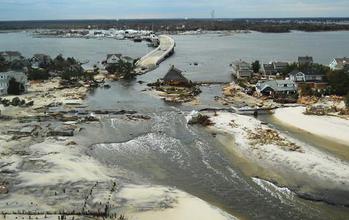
(155, 57)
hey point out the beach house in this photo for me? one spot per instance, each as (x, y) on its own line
(174, 77)
(339, 63)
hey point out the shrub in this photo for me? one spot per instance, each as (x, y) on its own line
(38, 74)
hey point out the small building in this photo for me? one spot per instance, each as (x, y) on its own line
(174, 77)
(276, 87)
(242, 69)
(339, 63)
(113, 58)
(297, 76)
(5, 78)
(280, 66)
(305, 61)
(40, 60)
(268, 69)
(11, 56)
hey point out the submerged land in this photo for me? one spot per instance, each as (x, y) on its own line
(62, 157)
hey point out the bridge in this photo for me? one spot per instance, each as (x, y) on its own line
(155, 57)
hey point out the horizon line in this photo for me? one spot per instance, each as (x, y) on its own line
(178, 18)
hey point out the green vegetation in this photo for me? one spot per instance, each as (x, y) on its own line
(38, 74)
(123, 68)
(14, 87)
(339, 82)
(256, 66)
(4, 66)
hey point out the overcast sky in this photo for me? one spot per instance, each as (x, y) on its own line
(113, 9)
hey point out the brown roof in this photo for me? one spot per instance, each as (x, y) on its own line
(175, 74)
(342, 61)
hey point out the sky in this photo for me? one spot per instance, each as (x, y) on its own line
(133, 9)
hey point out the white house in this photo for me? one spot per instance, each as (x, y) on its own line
(339, 63)
(306, 76)
(297, 76)
(5, 77)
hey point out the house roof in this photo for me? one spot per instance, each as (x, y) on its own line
(41, 56)
(305, 59)
(309, 72)
(280, 64)
(342, 61)
(116, 54)
(174, 74)
(277, 85)
(11, 53)
(294, 72)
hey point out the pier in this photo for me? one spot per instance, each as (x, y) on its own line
(155, 57)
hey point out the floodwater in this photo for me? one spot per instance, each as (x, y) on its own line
(165, 150)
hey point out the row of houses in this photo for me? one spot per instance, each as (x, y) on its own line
(243, 69)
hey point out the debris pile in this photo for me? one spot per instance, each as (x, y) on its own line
(270, 136)
(197, 118)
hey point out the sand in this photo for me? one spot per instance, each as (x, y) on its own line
(309, 165)
(330, 127)
(159, 202)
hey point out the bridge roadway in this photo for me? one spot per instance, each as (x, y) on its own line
(155, 57)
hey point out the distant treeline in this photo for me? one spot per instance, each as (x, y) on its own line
(173, 25)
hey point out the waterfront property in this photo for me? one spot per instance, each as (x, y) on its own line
(339, 63)
(11, 56)
(276, 87)
(268, 69)
(305, 61)
(306, 76)
(40, 60)
(280, 66)
(113, 58)
(242, 69)
(19, 77)
(174, 77)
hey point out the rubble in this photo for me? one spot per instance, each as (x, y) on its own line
(269, 136)
(197, 118)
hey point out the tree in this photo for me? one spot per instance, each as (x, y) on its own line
(339, 82)
(4, 65)
(73, 72)
(123, 68)
(14, 87)
(38, 74)
(256, 66)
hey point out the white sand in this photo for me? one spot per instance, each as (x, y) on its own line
(312, 165)
(158, 203)
(331, 127)
(65, 164)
